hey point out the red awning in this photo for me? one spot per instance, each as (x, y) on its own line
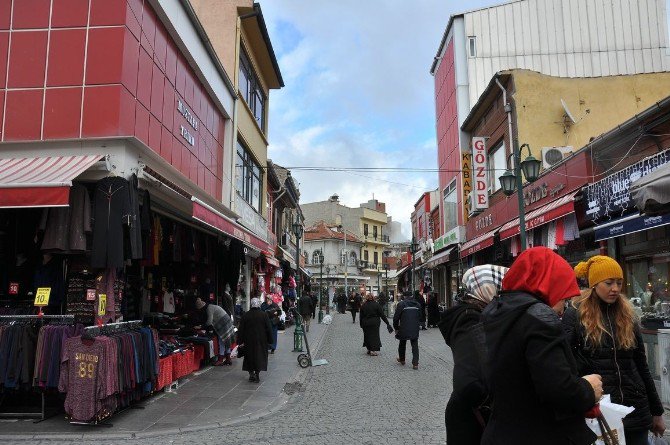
(40, 182)
(214, 219)
(477, 244)
(272, 261)
(540, 216)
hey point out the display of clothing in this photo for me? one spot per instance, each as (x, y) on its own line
(48, 353)
(17, 355)
(112, 212)
(105, 373)
(135, 230)
(65, 228)
(49, 273)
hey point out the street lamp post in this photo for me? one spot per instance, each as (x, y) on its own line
(297, 333)
(414, 247)
(346, 261)
(512, 180)
(321, 258)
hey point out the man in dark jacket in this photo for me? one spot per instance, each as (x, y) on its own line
(315, 303)
(406, 323)
(530, 370)
(305, 310)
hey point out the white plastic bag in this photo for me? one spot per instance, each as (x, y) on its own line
(328, 319)
(653, 440)
(614, 415)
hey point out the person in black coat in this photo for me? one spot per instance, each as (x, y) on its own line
(315, 303)
(274, 313)
(305, 309)
(355, 301)
(530, 371)
(433, 310)
(467, 409)
(406, 322)
(342, 304)
(621, 362)
(371, 317)
(422, 304)
(255, 333)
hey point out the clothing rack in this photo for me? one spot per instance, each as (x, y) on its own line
(41, 415)
(109, 328)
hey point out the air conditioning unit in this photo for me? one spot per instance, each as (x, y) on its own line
(555, 155)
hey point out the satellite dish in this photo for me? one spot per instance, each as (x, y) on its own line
(568, 114)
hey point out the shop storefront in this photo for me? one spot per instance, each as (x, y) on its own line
(112, 215)
(551, 221)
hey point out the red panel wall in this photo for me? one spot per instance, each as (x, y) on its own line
(126, 81)
(446, 114)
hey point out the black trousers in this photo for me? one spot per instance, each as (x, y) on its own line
(353, 315)
(402, 347)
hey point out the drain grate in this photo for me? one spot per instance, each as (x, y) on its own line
(293, 387)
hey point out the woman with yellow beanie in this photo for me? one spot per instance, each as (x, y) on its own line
(605, 336)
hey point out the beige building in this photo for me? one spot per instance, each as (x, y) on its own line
(368, 222)
(237, 32)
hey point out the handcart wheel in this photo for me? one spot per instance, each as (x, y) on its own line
(303, 360)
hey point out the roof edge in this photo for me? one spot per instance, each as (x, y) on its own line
(268, 43)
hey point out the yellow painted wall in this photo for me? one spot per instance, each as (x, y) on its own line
(611, 101)
(219, 18)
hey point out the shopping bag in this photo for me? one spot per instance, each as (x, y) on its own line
(653, 440)
(614, 415)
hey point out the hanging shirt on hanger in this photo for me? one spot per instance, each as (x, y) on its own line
(112, 212)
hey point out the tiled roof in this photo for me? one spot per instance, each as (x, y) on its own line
(323, 231)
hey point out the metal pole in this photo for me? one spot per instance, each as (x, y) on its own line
(519, 193)
(321, 290)
(412, 249)
(346, 263)
(379, 286)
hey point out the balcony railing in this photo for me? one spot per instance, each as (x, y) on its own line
(377, 238)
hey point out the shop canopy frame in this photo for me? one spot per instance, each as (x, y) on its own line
(542, 215)
(479, 243)
(41, 181)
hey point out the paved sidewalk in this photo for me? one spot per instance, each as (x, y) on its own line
(212, 397)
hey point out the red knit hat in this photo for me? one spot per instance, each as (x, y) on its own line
(543, 273)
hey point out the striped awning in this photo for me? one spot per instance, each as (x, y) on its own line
(40, 181)
(478, 243)
(540, 216)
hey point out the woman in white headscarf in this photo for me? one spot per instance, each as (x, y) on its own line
(466, 413)
(255, 333)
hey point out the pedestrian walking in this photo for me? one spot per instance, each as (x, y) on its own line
(355, 301)
(433, 310)
(315, 303)
(605, 337)
(468, 407)
(254, 336)
(383, 301)
(530, 371)
(371, 317)
(217, 318)
(305, 310)
(422, 307)
(342, 304)
(406, 322)
(274, 314)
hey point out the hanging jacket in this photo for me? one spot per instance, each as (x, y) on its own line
(112, 213)
(625, 373)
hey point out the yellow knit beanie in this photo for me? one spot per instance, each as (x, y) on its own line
(598, 268)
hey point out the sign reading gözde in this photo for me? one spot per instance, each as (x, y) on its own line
(480, 189)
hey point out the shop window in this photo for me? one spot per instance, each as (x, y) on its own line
(450, 207)
(635, 238)
(497, 163)
(647, 280)
(248, 178)
(251, 90)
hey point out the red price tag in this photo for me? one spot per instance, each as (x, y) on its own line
(90, 294)
(13, 288)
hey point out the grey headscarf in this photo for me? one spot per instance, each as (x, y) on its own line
(484, 282)
(255, 302)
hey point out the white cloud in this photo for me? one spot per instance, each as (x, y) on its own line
(358, 94)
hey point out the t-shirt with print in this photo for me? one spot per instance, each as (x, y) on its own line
(83, 377)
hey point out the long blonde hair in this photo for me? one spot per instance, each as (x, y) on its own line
(591, 317)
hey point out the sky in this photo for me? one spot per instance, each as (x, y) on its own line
(358, 93)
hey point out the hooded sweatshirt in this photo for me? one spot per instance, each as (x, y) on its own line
(531, 373)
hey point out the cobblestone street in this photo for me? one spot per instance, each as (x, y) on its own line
(354, 399)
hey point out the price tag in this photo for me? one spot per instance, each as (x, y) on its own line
(42, 296)
(13, 288)
(90, 294)
(102, 304)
